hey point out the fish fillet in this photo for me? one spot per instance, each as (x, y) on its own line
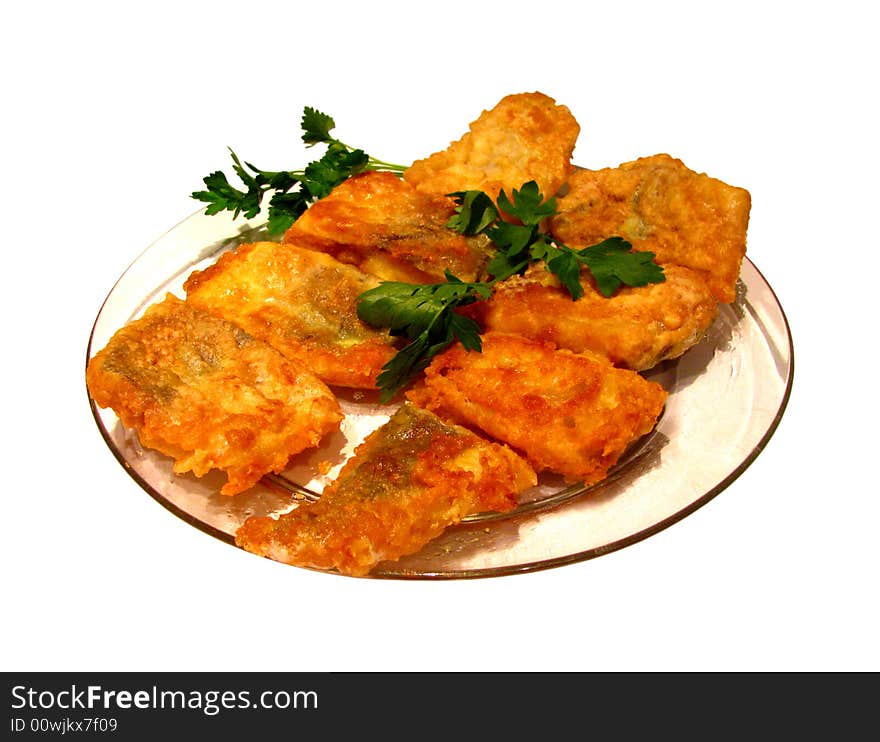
(658, 204)
(636, 328)
(573, 414)
(406, 483)
(525, 137)
(387, 228)
(303, 303)
(207, 394)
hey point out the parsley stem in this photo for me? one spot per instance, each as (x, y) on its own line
(392, 167)
(374, 161)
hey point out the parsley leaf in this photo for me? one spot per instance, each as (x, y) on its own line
(424, 313)
(563, 262)
(337, 164)
(474, 212)
(285, 207)
(292, 190)
(528, 204)
(512, 242)
(613, 264)
(221, 196)
(316, 126)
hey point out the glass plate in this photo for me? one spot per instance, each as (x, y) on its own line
(732, 388)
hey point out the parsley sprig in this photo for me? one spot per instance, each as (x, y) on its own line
(292, 190)
(426, 315)
(519, 244)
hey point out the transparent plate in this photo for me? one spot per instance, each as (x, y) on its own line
(726, 397)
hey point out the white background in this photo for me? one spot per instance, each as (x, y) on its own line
(114, 112)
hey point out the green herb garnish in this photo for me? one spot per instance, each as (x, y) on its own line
(426, 313)
(612, 262)
(292, 190)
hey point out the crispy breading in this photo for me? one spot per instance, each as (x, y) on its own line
(526, 136)
(406, 483)
(386, 227)
(573, 414)
(303, 303)
(658, 204)
(636, 328)
(207, 394)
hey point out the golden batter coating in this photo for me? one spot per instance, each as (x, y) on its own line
(658, 204)
(573, 414)
(406, 483)
(636, 328)
(303, 303)
(526, 136)
(209, 395)
(387, 228)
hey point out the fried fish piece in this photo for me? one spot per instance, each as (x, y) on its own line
(302, 302)
(387, 228)
(658, 204)
(636, 328)
(207, 394)
(405, 484)
(573, 414)
(525, 137)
